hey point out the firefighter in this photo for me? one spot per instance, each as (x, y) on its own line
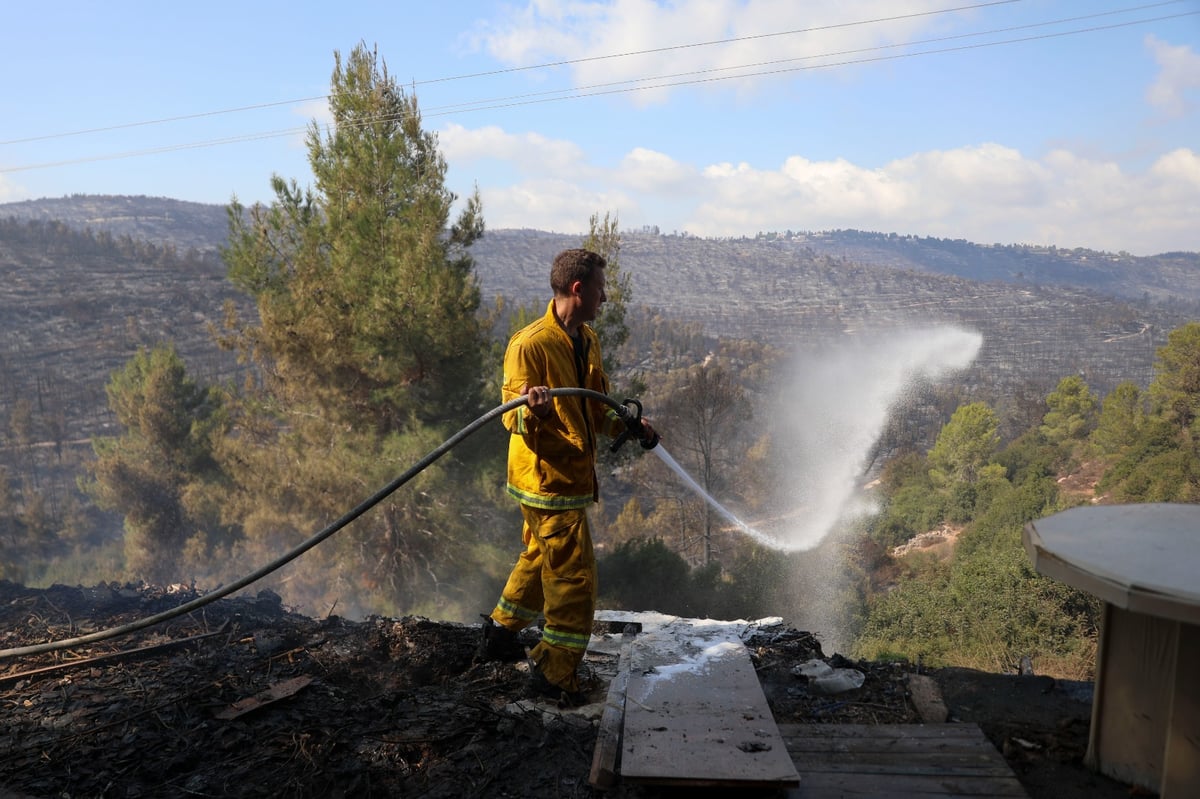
(552, 474)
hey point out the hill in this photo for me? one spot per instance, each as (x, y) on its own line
(1043, 312)
(1168, 277)
(89, 280)
(159, 220)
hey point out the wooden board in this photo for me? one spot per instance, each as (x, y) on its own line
(606, 755)
(280, 690)
(914, 761)
(695, 713)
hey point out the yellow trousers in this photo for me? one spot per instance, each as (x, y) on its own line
(555, 575)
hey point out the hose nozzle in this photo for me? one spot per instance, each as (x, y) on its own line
(630, 411)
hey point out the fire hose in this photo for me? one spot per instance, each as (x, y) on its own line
(630, 412)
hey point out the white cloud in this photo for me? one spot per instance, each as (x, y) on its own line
(655, 172)
(986, 193)
(1180, 166)
(552, 205)
(527, 180)
(11, 192)
(530, 153)
(1179, 75)
(314, 110)
(710, 43)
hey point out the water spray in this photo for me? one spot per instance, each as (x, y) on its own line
(633, 423)
(836, 406)
(691, 483)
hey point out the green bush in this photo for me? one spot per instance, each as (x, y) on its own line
(644, 574)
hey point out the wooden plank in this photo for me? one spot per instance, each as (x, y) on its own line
(695, 713)
(1097, 541)
(908, 766)
(885, 738)
(606, 755)
(1131, 710)
(898, 762)
(953, 730)
(280, 690)
(1181, 764)
(913, 761)
(854, 786)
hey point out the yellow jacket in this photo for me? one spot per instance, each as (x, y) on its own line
(552, 461)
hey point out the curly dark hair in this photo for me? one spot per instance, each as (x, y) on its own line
(572, 265)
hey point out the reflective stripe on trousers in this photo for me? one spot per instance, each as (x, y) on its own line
(555, 575)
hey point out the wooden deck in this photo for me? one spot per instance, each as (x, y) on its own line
(905, 761)
(686, 709)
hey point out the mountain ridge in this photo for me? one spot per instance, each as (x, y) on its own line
(1160, 277)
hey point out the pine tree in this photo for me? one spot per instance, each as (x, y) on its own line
(1175, 390)
(367, 299)
(965, 445)
(153, 472)
(1071, 411)
(369, 352)
(605, 239)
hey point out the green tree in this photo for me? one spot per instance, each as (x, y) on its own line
(1122, 417)
(1071, 411)
(367, 298)
(911, 503)
(641, 574)
(605, 239)
(1175, 390)
(985, 607)
(965, 444)
(148, 474)
(370, 348)
(1158, 454)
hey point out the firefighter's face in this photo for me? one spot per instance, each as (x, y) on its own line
(592, 296)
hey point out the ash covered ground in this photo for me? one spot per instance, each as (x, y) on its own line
(242, 698)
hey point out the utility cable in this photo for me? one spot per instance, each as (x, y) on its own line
(599, 90)
(506, 102)
(358, 510)
(528, 68)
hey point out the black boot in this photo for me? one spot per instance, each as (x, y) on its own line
(540, 687)
(498, 643)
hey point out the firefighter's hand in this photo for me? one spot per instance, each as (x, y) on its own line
(539, 401)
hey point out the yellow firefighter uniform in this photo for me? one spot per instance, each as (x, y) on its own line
(552, 473)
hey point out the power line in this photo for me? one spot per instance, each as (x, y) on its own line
(596, 90)
(749, 38)
(471, 106)
(492, 73)
(162, 121)
(504, 102)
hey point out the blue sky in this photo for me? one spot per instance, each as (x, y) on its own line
(996, 122)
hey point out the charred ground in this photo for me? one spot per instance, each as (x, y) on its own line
(394, 707)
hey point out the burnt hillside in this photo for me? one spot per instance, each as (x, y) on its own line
(89, 280)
